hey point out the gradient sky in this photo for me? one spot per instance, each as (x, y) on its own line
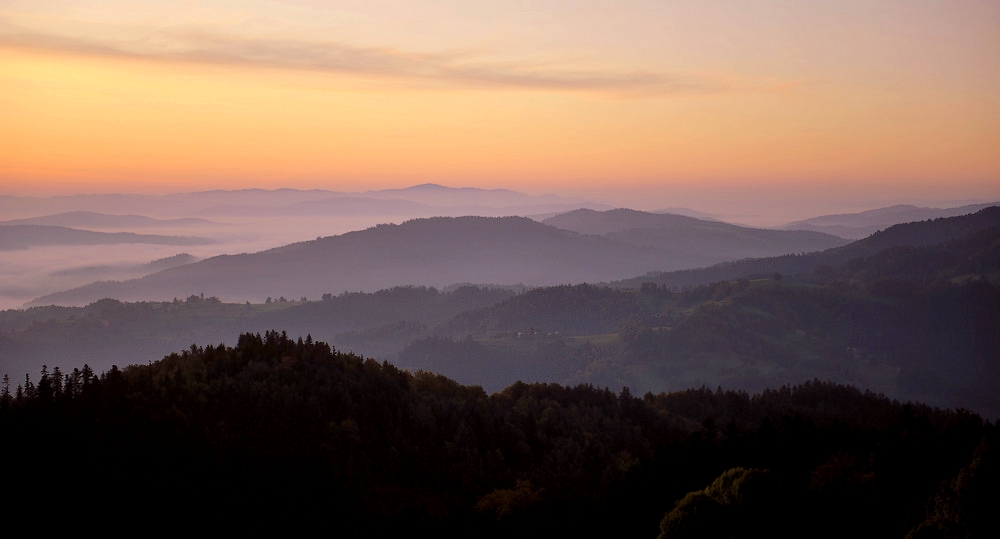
(651, 103)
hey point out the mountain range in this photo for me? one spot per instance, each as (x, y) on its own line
(90, 219)
(909, 312)
(211, 223)
(443, 251)
(916, 234)
(16, 237)
(425, 200)
(692, 242)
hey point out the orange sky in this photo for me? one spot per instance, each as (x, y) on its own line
(637, 100)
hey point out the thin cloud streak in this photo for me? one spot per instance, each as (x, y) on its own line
(203, 46)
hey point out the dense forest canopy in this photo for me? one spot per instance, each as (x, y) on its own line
(278, 428)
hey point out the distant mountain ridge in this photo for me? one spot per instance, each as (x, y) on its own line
(425, 199)
(436, 251)
(25, 236)
(862, 224)
(439, 252)
(695, 241)
(89, 219)
(688, 212)
(99, 272)
(916, 234)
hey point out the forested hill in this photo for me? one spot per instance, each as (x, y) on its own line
(109, 331)
(287, 432)
(913, 322)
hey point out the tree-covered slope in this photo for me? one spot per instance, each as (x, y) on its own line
(286, 433)
(915, 234)
(912, 322)
(110, 331)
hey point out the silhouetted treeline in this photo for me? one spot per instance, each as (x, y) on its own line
(288, 431)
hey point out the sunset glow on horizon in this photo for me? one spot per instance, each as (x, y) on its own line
(617, 99)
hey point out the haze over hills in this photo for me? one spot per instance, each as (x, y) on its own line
(689, 213)
(237, 221)
(917, 234)
(14, 237)
(862, 224)
(443, 251)
(126, 271)
(89, 219)
(411, 202)
(255, 220)
(441, 196)
(693, 242)
(438, 252)
(909, 312)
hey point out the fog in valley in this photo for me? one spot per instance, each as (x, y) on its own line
(232, 222)
(38, 270)
(197, 226)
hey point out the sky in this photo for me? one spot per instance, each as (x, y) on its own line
(785, 105)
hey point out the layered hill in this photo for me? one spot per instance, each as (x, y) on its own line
(907, 313)
(110, 332)
(690, 241)
(89, 219)
(913, 322)
(915, 234)
(862, 224)
(27, 236)
(430, 252)
(413, 202)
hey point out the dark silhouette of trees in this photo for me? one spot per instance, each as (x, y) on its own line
(281, 429)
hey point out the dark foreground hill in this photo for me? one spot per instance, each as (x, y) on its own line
(279, 433)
